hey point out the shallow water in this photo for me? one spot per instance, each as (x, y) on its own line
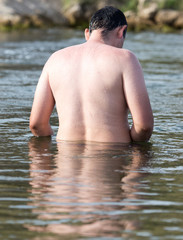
(90, 190)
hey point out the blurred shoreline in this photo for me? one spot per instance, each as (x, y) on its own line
(142, 15)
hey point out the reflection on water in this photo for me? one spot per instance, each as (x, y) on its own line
(86, 189)
(70, 190)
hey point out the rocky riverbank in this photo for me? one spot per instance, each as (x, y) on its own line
(147, 15)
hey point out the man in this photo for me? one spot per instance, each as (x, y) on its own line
(94, 85)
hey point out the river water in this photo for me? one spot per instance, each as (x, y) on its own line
(68, 190)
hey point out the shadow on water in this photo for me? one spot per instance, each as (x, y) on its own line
(86, 189)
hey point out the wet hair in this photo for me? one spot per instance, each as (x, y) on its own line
(107, 19)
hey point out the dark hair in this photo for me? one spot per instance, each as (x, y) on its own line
(107, 19)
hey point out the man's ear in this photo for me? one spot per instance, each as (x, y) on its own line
(122, 31)
(87, 34)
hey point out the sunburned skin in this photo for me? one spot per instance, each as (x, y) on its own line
(94, 85)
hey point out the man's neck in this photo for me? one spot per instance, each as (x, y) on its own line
(96, 36)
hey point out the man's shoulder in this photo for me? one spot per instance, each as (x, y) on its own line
(63, 51)
(61, 54)
(126, 56)
(125, 53)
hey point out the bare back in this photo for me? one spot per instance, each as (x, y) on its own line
(87, 83)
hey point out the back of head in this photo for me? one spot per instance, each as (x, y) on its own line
(107, 19)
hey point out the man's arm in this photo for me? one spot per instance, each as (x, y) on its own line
(137, 99)
(42, 107)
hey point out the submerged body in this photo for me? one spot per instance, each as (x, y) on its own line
(94, 86)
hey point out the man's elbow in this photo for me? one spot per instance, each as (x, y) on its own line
(142, 133)
(35, 128)
(150, 125)
(146, 131)
(40, 128)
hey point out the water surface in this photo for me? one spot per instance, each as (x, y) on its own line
(70, 190)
